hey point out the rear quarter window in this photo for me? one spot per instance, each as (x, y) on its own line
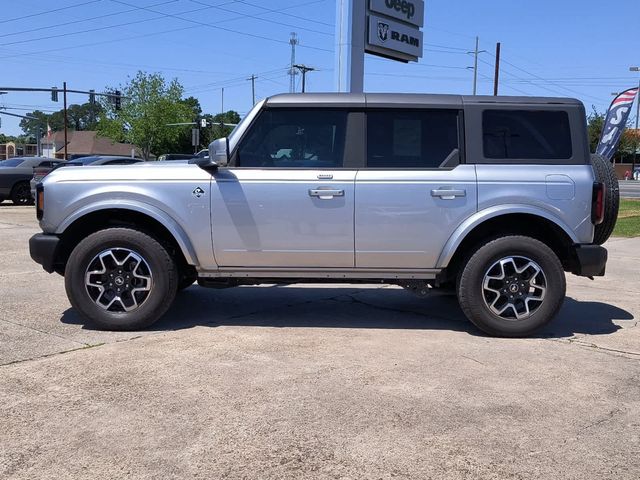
(526, 134)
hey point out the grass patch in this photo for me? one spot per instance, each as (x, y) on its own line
(628, 224)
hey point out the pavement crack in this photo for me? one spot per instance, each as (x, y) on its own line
(473, 360)
(395, 310)
(593, 346)
(45, 332)
(85, 346)
(607, 418)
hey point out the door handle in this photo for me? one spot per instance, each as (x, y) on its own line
(325, 193)
(448, 193)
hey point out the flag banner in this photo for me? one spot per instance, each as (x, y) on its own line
(615, 122)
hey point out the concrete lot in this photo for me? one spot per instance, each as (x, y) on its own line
(317, 382)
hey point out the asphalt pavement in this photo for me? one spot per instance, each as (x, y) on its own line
(630, 188)
(317, 382)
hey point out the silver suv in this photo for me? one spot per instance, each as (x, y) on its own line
(494, 198)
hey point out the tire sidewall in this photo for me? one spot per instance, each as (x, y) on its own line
(14, 194)
(164, 283)
(472, 279)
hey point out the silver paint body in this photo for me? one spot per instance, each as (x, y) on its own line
(278, 223)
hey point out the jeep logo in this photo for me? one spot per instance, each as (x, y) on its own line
(403, 6)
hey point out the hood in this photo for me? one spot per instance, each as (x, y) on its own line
(149, 171)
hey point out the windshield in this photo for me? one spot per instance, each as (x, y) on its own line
(239, 129)
(13, 162)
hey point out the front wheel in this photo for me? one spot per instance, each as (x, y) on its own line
(121, 279)
(511, 286)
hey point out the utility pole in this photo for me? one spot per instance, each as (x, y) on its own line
(222, 100)
(475, 65)
(304, 69)
(496, 75)
(253, 88)
(66, 142)
(635, 143)
(292, 71)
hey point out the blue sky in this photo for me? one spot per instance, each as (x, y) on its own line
(573, 48)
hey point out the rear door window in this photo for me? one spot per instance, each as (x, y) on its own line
(526, 134)
(412, 139)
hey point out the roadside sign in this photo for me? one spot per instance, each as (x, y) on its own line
(393, 39)
(409, 11)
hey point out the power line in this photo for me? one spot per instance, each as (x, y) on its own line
(49, 11)
(217, 27)
(97, 29)
(269, 10)
(131, 37)
(198, 2)
(83, 20)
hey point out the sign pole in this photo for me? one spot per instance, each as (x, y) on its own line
(350, 38)
(66, 142)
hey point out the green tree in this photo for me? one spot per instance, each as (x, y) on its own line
(79, 117)
(595, 122)
(184, 145)
(149, 104)
(218, 128)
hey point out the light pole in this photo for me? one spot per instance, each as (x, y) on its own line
(635, 136)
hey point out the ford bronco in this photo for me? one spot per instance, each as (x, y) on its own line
(494, 198)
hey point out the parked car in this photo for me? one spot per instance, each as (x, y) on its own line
(42, 171)
(95, 160)
(175, 156)
(15, 175)
(494, 198)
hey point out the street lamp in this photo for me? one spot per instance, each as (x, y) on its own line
(635, 136)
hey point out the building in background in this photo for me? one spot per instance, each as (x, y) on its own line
(84, 143)
(12, 149)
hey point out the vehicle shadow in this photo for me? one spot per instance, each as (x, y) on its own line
(375, 308)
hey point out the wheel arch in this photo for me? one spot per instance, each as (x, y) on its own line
(529, 222)
(145, 218)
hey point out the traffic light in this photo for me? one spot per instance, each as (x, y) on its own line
(54, 94)
(117, 99)
(204, 123)
(92, 97)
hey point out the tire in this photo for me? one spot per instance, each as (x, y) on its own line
(136, 263)
(21, 194)
(605, 173)
(476, 301)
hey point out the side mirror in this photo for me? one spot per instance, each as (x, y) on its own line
(218, 155)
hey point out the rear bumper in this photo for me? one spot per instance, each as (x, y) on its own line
(43, 249)
(588, 260)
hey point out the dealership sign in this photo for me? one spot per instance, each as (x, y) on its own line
(394, 29)
(409, 11)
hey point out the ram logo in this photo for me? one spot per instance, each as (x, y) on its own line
(383, 31)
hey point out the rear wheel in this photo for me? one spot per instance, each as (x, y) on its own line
(121, 279)
(511, 286)
(21, 194)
